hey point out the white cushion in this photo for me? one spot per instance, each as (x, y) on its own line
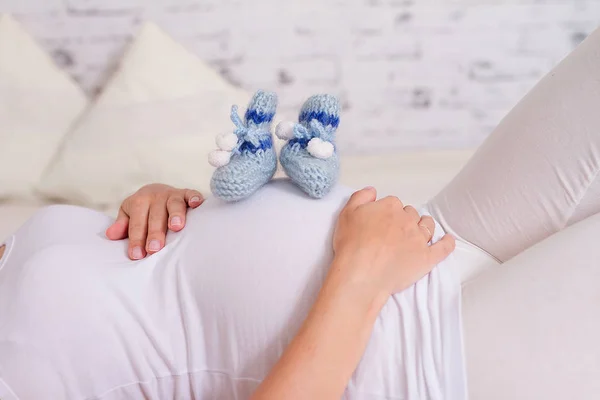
(38, 104)
(155, 121)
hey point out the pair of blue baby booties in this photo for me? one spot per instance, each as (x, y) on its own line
(246, 158)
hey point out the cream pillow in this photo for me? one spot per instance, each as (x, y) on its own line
(155, 121)
(38, 104)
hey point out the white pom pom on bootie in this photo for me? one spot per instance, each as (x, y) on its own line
(219, 158)
(319, 148)
(227, 141)
(285, 130)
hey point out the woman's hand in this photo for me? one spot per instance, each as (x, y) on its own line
(145, 216)
(383, 245)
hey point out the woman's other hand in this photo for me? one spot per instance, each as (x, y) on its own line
(146, 215)
(383, 245)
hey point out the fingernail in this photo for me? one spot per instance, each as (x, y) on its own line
(154, 245)
(368, 188)
(195, 199)
(136, 253)
(176, 221)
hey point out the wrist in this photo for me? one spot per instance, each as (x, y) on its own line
(357, 290)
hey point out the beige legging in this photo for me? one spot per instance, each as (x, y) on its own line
(532, 324)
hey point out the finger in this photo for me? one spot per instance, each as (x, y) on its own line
(138, 227)
(157, 225)
(118, 230)
(364, 196)
(441, 249)
(177, 208)
(193, 198)
(412, 212)
(427, 227)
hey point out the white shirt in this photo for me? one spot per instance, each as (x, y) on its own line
(210, 314)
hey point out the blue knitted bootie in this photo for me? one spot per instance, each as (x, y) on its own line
(309, 157)
(246, 159)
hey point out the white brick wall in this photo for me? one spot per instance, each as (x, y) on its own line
(411, 73)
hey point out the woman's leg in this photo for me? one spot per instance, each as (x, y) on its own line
(531, 326)
(538, 171)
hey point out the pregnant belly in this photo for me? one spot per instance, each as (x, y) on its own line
(253, 270)
(208, 316)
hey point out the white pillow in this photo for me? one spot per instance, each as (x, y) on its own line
(38, 104)
(155, 121)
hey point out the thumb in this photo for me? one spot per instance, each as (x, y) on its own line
(364, 196)
(441, 249)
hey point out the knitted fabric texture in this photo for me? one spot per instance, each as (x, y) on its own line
(310, 158)
(247, 160)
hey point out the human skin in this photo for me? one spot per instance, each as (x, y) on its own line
(145, 216)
